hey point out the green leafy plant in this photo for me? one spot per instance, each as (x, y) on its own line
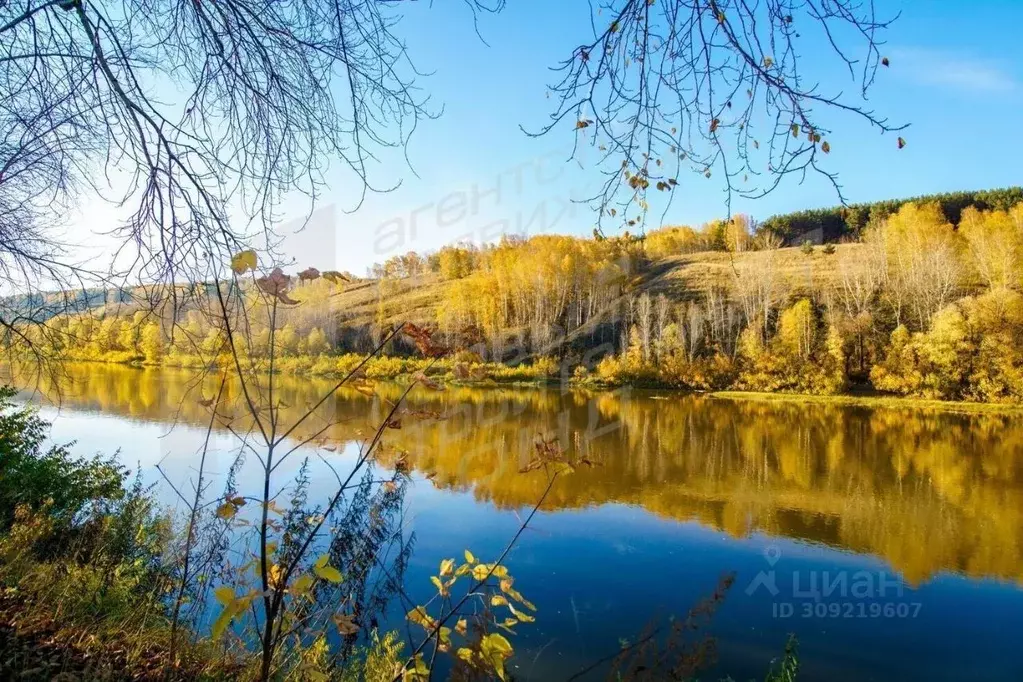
(33, 474)
(785, 669)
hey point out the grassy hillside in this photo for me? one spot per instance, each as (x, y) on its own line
(368, 303)
(683, 278)
(692, 276)
(680, 278)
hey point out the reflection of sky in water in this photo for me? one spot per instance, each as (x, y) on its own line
(599, 574)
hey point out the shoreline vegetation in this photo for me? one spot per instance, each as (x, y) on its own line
(524, 377)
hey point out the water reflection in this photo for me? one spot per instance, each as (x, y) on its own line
(928, 491)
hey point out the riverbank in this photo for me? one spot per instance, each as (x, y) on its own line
(37, 644)
(544, 375)
(872, 401)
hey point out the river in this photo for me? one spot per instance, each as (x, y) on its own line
(888, 540)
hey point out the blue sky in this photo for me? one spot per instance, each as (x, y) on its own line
(956, 77)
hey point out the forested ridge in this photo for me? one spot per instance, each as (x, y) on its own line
(915, 305)
(839, 222)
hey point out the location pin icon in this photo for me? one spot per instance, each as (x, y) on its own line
(772, 554)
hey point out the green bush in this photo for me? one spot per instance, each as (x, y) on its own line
(33, 475)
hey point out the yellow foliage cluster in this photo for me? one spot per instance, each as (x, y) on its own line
(973, 350)
(666, 363)
(804, 356)
(734, 235)
(478, 654)
(994, 240)
(536, 284)
(673, 241)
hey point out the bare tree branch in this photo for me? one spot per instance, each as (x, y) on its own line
(711, 86)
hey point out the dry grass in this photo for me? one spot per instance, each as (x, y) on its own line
(34, 645)
(691, 276)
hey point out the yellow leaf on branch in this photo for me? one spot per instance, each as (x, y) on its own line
(244, 261)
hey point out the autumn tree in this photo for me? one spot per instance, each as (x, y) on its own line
(805, 354)
(755, 286)
(860, 277)
(672, 241)
(737, 233)
(921, 257)
(541, 285)
(107, 335)
(151, 342)
(995, 243)
(286, 340)
(970, 351)
(644, 320)
(797, 330)
(316, 342)
(454, 262)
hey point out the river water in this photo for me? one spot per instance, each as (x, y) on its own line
(888, 540)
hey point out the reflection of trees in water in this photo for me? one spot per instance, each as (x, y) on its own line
(925, 489)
